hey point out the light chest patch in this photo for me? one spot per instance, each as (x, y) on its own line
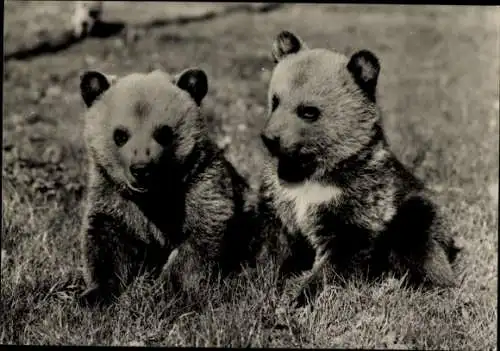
(306, 196)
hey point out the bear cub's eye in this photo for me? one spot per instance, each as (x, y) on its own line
(275, 102)
(121, 136)
(163, 135)
(308, 113)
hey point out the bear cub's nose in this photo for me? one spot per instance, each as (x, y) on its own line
(140, 171)
(271, 143)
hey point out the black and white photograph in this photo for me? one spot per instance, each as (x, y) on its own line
(243, 174)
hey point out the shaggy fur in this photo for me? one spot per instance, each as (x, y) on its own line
(159, 189)
(338, 198)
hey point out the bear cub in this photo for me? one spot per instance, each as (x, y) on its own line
(161, 196)
(334, 199)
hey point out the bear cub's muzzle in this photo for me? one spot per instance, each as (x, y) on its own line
(142, 173)
(294, 166)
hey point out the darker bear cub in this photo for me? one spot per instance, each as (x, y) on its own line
(334, 199)
(161, 196)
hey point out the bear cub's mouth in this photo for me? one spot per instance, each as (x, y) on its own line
(137, 188)
(296, 168)
(141, 177)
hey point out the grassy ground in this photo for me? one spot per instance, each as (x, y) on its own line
(439, 92)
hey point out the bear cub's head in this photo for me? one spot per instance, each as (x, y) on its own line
(141, 128)
(321, 105)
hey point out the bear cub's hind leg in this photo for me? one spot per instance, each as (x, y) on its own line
(423, 246)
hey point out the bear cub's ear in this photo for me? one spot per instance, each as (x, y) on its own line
(365, 67)
(286, 43)
(194, 81)
(93, 84)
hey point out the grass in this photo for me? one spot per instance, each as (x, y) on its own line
(439, 93)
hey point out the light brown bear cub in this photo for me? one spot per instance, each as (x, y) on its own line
(158, 185)
(333, 184)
